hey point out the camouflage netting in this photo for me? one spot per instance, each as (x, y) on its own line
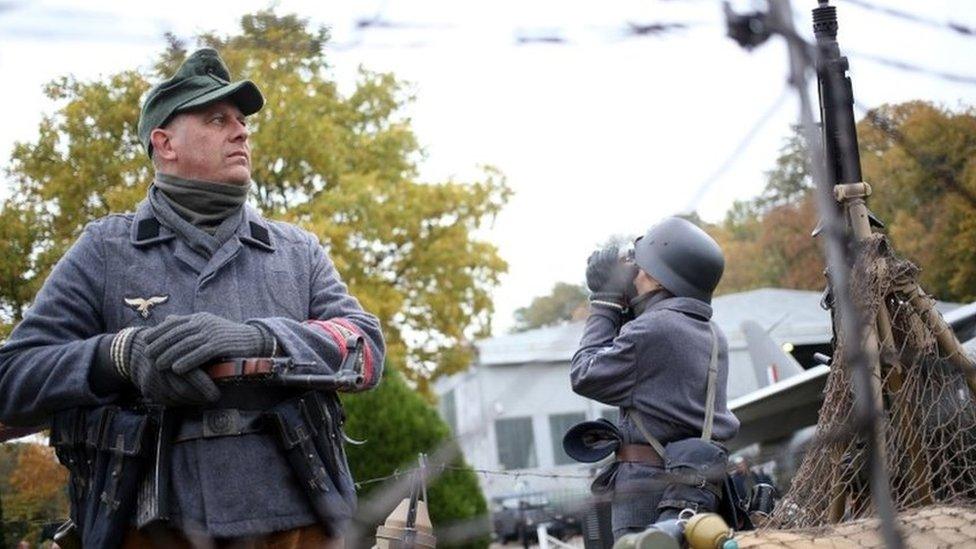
(929, 420)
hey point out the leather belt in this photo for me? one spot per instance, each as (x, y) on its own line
(221, 422)
(240, 367)
(639, 453)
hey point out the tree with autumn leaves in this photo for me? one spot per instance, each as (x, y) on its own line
(920, 160)
(32, 491)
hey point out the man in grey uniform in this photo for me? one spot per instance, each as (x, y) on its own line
(140, 307)
(655, 366)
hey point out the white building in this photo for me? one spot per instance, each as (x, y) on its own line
(511, 408)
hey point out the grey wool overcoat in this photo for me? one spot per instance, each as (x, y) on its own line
(272, 273)
(655, 367)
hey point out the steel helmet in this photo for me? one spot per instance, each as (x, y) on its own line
(682, 257)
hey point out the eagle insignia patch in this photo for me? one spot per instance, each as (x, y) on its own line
(143, 306)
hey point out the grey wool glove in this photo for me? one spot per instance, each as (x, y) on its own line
(128, 352)
(611, 282)
(185, 343)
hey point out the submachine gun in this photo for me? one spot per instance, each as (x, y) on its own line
(280, 372)
(285, 372)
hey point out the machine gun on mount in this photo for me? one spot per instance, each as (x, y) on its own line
(883, 287)
(912, 420)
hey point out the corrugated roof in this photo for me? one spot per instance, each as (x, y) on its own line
(796, 314)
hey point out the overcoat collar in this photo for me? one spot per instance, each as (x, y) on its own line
(685, 305)
(147, 230)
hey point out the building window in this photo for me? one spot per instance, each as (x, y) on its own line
(611, 414)
(516, 445)
(558, 425)
(449, 410)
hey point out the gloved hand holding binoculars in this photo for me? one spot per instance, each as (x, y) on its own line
(610, 278)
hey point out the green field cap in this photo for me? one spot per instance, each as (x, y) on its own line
(201, 79)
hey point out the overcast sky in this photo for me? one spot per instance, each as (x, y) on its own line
(600, 134)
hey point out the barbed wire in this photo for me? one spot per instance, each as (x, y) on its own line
(959, 28)
(396, 474)
(497, 472)
(914, 68)
(518, 474)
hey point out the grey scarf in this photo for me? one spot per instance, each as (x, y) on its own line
(203, 203)
(203, 214)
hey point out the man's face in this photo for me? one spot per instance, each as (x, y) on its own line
(210, 144)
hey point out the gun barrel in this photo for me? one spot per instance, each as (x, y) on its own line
(319, 382)
(836, 99)
(279, 372)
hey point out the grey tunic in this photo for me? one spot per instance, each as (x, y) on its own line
(656, 366)
(270, 272)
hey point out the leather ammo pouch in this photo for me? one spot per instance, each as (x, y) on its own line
(114, 451)
(309, 429)
(695, 472)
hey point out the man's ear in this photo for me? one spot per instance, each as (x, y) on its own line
(162, 144)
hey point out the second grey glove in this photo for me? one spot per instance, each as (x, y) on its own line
(131, 361)
(184, 343)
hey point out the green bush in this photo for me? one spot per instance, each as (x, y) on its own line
(398, 425)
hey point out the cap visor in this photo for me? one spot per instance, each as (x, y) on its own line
(245, 94)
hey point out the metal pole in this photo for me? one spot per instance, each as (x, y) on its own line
(543, 534)
(423, 476)
(852, 323)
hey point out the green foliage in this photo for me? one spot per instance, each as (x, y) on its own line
(20, 233)
(789, 181)
(398, 425)
(342, 166)
(548, 310)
